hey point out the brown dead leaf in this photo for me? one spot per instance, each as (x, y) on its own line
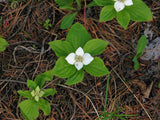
(140, 84)
(146, 93)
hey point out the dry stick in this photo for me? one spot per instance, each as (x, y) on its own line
(41, 53)
(21, 42)
(22, 7)
(81, 93)
(73, 98)
(30, 8)
(51, 4)
(13, 81)
(19, 46)
(26, 65)
(100, 26)
(40, 56)
(133, 95)
(74, 112)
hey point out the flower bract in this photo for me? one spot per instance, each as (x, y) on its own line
(37, 93)
(79, 58)
(120, 4)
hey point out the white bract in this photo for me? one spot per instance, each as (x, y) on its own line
(79, 58)
(37, 93)
(120, 4)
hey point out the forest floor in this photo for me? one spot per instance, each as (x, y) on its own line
(135, 92)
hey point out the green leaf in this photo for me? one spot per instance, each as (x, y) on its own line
(67, 7)
(76, 78)
(45, 106)
(26, 93)
(63, 69)
(29, 109)
(140, 47)
(95, 46)
(106, 118)
(159, 85)
(62, 3)
(107, 13)
(78, 36)
(92, 4)
(123, 18)
(3, 44)
(48, 92)
(61, 48)
(104, 2)
(26, 118)
(68, 20)
(79, 4)
(41, 78)
(96, 68)
(31, 84)
(139, 11)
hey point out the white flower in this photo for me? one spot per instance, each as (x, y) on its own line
(79, 58)
(120, 4)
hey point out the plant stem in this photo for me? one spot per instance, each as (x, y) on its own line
(105, 105)
(85, 22)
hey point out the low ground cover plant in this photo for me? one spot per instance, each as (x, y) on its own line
(78, 53)
(3, 44)
(124, 11)
(75, 55)
(30, 107)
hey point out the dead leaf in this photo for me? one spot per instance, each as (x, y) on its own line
(140, 84)
(146, 93)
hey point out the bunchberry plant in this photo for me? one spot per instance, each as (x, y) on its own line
(76, 55)
(68, 19)
(3, 44)
(140, 47)
(30, 107)
(124, 11)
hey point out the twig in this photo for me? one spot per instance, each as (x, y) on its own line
(81, 93)
(29, 11)
(74, 112)
(42, 52)
(100, 26)
(73, 98)
(133, 95)
(40, 56)
(19, 46)
(13, 81)
(21, 42)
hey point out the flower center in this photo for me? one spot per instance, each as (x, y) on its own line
(78, 58)
(36, 93)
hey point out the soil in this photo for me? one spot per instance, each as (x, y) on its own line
(135, 92)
